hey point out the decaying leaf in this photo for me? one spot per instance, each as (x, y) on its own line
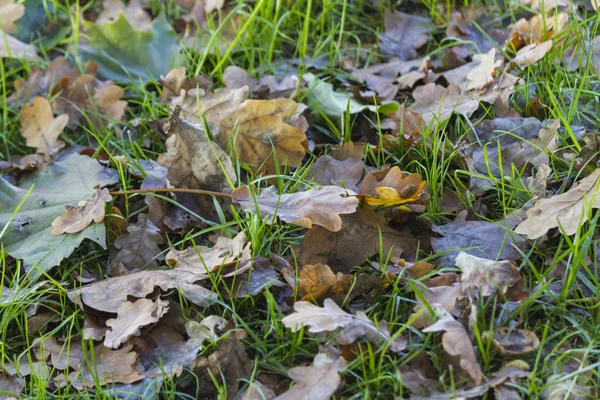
(258, 277)
(9, 13)
(319, 381)
(11, 47)
(11, 385)
(456, 342)
(29, 235)
(447, 297)
(138, 248)
(512, 342)
(201, 259)
(108, 295)
(130, 318)
(331, 317)
(532, 53)
(484, 277)
(329, 171)
(257, 391)
(567, 211)
(76, 219)
(404, 33)
(133, 12)
(480, 238)
(41, 129)
(391, 187)
(436, 103)
(321, 206)
(361, 236)
(175, 81)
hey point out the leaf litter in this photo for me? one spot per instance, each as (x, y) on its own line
(251, 229)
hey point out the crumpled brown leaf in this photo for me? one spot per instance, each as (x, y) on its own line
(175, 84)
(108, 295)
(318, 381)
(201, 259)
(483, 277)
(9, 13)
(130, 318)
(321, 206)
(138, 248)
(41, 129)
(567, 210)
(447, 297)
(404, 33)
(358, 239)
(456, 342)
(392, 187)
(331, 317)
(77, 219)
(329, 171)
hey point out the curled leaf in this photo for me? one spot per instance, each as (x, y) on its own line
(391, 187)
(41, 129)
(77, 219)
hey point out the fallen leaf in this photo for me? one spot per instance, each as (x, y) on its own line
(124, 53)
(329, 171)
(321, 206)
(408, 125)
(482, 74)
(319, 381)
(392, 188)
(349, 150)
(11, 47)
(88, 98)
(567, 210)
(9, 13)
(404, 34)
(331, 317)
(257, 391)
(175, 81)
(133, 13)
(29, 235)
(201, 259)
(41, 129)
(138, 248)
(361, 236)
(108, 295)
(76, 219)
(258, 277)
(436, 103)
(11, 386)
(532, 53)
(482, 277)
(130, 318)
(512, 342)
(447, 297)
(456, 342)
(481, 238)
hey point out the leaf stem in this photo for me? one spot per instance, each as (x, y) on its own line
(174, 190)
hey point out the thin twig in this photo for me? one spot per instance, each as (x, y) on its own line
(174, 190)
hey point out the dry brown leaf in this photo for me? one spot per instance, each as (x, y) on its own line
(436, 103)
(108, 295)
(318, 381)
(254, 129)
(358, 239)
(445, 296)
(175, 84)
(77, 219)
(456, 342)
(568, 210)
(321, 206)
(133, 12)
(532, 53)
(512, 342)
(11, 386)
(9, 13)
(41, 129)
(393, 188)
(404, 33)
(88, 98)
(482, 74)
(138, 248)
(409, 125)
(11, 47)
(483, 277)
(329, 171)
(257, 391)
(331, 317)
(201, 259)
(130, 318)
(349, 150)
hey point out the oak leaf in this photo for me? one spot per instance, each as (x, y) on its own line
(41, 129)
(392, 188)
(330, 317)
(77, 219)
(484, 277)
(201, 259)
(9, 13)
(532, 53)
(108, 295)
(319, 381)
(567, 210)
(138, 248)
(329, 171)
(404, 34)
(130, 318)
(512, 342)
(133, 12)
(11, 47)
(456, 342)
(321, 206)
(447, 297)
(362, 235)
(436, 103)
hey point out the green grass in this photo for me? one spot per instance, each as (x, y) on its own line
(273, 32)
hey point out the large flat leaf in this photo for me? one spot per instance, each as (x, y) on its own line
(124, 53)
(56, 185)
